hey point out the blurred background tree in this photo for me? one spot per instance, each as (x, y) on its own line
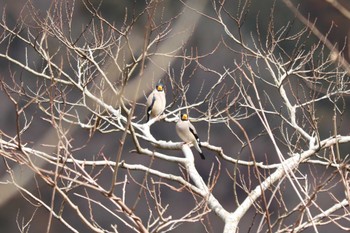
(265, 83)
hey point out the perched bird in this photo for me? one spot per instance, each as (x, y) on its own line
(156, 102)
(188, 133)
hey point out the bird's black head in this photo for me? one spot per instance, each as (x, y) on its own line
(160, 87)
(184, 117)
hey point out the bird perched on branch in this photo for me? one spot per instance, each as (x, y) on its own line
(156, 102)
(186, 131)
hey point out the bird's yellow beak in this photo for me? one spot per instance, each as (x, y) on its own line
(160, 88)
(184, 117)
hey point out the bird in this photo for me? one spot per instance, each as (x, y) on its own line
(156, 102)
(186, 131)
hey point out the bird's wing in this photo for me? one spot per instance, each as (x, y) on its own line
(198, 147)
(149, 109)
(194, 132)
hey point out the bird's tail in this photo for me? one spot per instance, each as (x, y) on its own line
(202, 155)
(198, 148)
(148, 113)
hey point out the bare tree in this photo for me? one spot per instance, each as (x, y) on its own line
(267, 95)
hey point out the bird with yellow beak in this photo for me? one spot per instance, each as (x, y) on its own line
(156, 102)
(186, 131)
